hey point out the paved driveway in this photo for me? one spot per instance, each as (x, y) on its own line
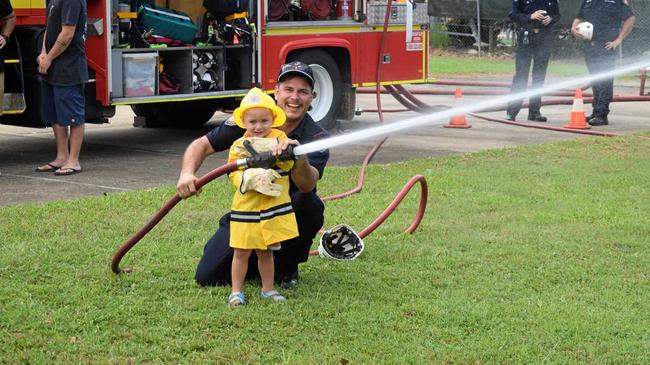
(118, 157)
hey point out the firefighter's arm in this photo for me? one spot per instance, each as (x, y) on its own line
(8, 25)
(193, 157)
(60, 45)
(628, 24)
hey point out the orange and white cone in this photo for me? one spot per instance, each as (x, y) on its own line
(458, 121)
(578, 119)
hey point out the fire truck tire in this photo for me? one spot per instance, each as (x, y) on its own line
(328, 86)
(348, 103)
(144, 110)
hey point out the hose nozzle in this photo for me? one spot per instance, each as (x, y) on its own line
(264, 160)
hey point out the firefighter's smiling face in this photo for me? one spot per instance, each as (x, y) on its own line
(294, 96)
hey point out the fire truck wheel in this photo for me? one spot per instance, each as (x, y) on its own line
(143, 110)
(328, 86)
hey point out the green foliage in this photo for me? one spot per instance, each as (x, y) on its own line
(437, 37)
(536, 254)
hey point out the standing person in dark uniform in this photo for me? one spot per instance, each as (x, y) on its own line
(535, 20)
(294, 94)
(606, 17)
(62, 64)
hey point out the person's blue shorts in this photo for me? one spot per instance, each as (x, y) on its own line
(63, 105)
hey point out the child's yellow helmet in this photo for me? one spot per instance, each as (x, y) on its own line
(257, 98)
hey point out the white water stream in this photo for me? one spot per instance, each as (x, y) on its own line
(442, 117)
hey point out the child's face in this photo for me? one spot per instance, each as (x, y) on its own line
(258, 121)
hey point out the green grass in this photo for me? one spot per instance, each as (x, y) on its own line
(473, 65)
(538, 254)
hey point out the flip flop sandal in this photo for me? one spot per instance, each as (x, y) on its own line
(49, 168)
(66, 171)
(236, 299)
(273, 294)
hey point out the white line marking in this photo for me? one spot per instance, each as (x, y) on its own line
(68, 182)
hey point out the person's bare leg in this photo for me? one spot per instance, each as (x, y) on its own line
(239, 268)
(265, 267)
(62, 152)
(76, 139)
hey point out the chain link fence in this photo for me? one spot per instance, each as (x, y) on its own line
(482, 27)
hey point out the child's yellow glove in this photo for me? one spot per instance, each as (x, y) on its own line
(261, 180)
(260, 145)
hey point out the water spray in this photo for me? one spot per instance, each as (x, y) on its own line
(435, 118)
(441, 117)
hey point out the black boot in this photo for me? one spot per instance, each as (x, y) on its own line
(598, 120)
(537, 117)
(511, 116)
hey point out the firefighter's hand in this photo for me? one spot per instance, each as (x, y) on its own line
(261, 180)
(613, 44)
(185, 187)
(576, 34)
(259, 144)
(538, 15)
(282, 146)
(546, 20)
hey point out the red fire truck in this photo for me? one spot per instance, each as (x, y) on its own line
(195, 62)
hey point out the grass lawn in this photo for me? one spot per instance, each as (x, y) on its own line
(445, 66)
(537, 254)
(439, 66)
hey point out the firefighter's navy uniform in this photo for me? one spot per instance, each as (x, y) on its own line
(606, 17)
(534, 43)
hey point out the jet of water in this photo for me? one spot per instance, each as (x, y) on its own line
(441, 117)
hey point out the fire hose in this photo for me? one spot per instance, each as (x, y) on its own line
(407, 99)
(267, 159)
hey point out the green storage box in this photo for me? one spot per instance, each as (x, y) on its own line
(167, 22)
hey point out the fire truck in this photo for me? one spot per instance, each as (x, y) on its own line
(176, 62)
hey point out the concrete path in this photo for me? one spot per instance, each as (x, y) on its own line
(117, 157)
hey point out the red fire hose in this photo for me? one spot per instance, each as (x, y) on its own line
(373, 151)
(115, 263)
(414, 104)
(465, 92)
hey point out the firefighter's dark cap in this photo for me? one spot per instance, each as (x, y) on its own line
(297, 68)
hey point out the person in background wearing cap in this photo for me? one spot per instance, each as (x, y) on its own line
(294, 93)
(535, 19)
(606, 17)
(259, 190)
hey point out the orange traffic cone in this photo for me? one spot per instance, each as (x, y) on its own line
(457, 121)
(578, 120)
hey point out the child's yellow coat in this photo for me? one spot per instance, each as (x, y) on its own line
(258, 220)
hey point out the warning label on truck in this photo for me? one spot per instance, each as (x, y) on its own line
(416, 42)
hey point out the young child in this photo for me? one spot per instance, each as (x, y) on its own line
(261, 214)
